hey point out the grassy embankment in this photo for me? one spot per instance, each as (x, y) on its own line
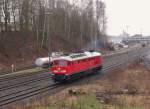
(124, 89)
(32, 70)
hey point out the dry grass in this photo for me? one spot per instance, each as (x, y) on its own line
(32, 70)
(133, 83)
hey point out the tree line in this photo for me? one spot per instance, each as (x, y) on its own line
(77, 21)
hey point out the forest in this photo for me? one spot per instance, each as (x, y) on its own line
(29, 27)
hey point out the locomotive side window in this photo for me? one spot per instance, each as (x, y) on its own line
(55, 63)
(70, 63)
(63, 63)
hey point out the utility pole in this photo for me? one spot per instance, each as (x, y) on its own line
(127, 27)
(47, 15)
(141, 31)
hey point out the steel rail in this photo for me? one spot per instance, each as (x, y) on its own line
(16, 76)
(27, 95)
(21, 83)
(31, 91)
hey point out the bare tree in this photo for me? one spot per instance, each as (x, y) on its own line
(76, 23)
(14, 9)
(6, 11)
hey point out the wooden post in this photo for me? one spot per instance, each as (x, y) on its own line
(12, 68)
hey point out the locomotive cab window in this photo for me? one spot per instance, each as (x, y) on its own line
(69, 63)
(55, 63)
(62, 63)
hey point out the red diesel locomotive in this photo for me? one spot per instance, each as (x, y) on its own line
(76, 65)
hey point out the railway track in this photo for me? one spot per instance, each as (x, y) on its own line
(14, 90)
(31, 65)
(24, 81)
(16, 76)
(32, 91)
(27, 75)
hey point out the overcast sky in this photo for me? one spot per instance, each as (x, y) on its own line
(131, 14)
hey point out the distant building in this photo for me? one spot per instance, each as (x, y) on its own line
(138, 38)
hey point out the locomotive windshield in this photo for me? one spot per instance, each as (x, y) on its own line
(62, 63)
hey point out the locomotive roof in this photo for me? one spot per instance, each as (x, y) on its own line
(78, 56)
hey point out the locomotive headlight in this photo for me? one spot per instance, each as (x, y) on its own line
(55, 71)
(59, 70)
(64, 71)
